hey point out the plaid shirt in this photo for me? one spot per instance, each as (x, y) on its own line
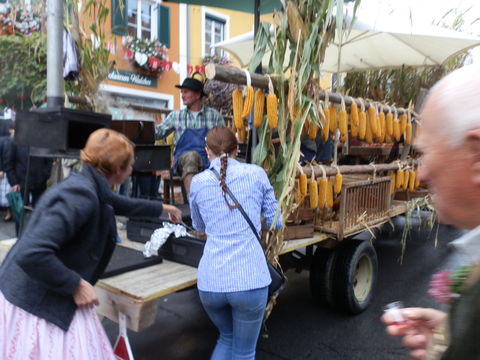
(180, 120)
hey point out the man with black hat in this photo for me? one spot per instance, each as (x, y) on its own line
(191, 125)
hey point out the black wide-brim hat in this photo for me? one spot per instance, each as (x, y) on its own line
(192, 84)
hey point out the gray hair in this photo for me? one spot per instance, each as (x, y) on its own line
(457, 101)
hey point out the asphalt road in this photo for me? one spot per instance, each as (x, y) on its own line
(298, 327)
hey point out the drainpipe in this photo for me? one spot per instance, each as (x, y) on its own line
(55, 85)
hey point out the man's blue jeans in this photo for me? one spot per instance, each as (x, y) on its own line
(238, 317)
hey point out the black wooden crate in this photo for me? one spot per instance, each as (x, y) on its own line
(184, 250)
(126, 259)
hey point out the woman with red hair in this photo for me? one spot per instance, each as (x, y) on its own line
(46, 281)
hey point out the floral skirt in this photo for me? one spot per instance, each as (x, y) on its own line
(26, 336)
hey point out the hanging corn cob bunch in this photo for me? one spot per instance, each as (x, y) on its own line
(272, 106)
(362, 130)
(382, 124)
(354, 121)
(302, 182)
(392, 183)
(372, 120)
(249, 95)
(313, 190)
(403, 122)
(411, 180)
(237, 105)
(389, 126)
(399, 179)
(369, 131)
(332, 118)
(322, 189)
(326, 116)
(338, 181)
(396, 127)
(342, 122)
(329, 196)
(406, 178)
(258, 108)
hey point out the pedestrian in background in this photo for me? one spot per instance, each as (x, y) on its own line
(449, 142)
(46, 280)
(233, 277)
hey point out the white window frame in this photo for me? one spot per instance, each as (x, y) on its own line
(206, 12)
(154, 19)
(140, 93)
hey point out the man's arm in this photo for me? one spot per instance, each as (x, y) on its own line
(166, 127)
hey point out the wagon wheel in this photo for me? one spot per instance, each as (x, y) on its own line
(321, 276)
(355, 275)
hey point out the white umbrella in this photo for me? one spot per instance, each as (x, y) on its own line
(380, 46)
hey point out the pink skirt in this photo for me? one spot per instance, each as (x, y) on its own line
(25, 336)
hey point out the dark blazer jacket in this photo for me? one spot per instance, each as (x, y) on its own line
(70, 235)
(464, 326)
(15, 165)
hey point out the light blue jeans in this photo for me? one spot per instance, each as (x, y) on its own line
(238, 317)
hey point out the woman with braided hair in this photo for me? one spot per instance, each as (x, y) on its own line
(46, 280)
(233, 277)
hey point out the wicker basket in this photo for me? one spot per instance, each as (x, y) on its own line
(362, 203)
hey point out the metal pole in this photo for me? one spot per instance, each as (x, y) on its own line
(55, 84)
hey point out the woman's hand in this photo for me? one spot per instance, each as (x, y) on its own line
(174, 213)
(85, 295)
(416, 330)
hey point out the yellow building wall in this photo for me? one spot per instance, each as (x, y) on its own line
(166, 81)
(239, 23)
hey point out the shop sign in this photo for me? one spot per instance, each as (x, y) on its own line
(129, 77)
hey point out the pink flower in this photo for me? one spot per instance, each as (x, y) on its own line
(440, 287)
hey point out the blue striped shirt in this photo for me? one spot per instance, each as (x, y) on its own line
(233, 259)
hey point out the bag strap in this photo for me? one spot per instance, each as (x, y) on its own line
(247, 218)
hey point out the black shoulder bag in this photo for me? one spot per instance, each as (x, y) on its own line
(278, 279)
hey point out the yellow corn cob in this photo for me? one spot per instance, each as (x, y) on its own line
(408, 134)
(237, 105)
(392, 183)
(342, 122)
(338, 183)
(322, 193)
(403, 123)
(406, 176)
(362, 130)
(343, 138)
(248, 103)
(382, 124)
(332, 118)
(396, 130)
(242, 134)
(411, 180)
(258, 108)
(272, 114)
(354, 129)
(329, 194)
(388, 139)
(389, 124)
(312, 131)
(369, 133)
(302, 184)
(354, 114)
(326, 124)
(399, 181)
(313, 189)
(417, 181)
(372, 119)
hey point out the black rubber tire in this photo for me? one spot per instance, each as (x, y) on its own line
(321, 276)
(355, 275)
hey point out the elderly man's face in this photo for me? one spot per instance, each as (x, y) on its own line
(447, 172)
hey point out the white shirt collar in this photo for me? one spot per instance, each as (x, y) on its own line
(468, 245)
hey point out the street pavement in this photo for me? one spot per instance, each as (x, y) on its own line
(298, 327)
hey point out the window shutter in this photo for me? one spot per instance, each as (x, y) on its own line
(164, 25)
(119, 17)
